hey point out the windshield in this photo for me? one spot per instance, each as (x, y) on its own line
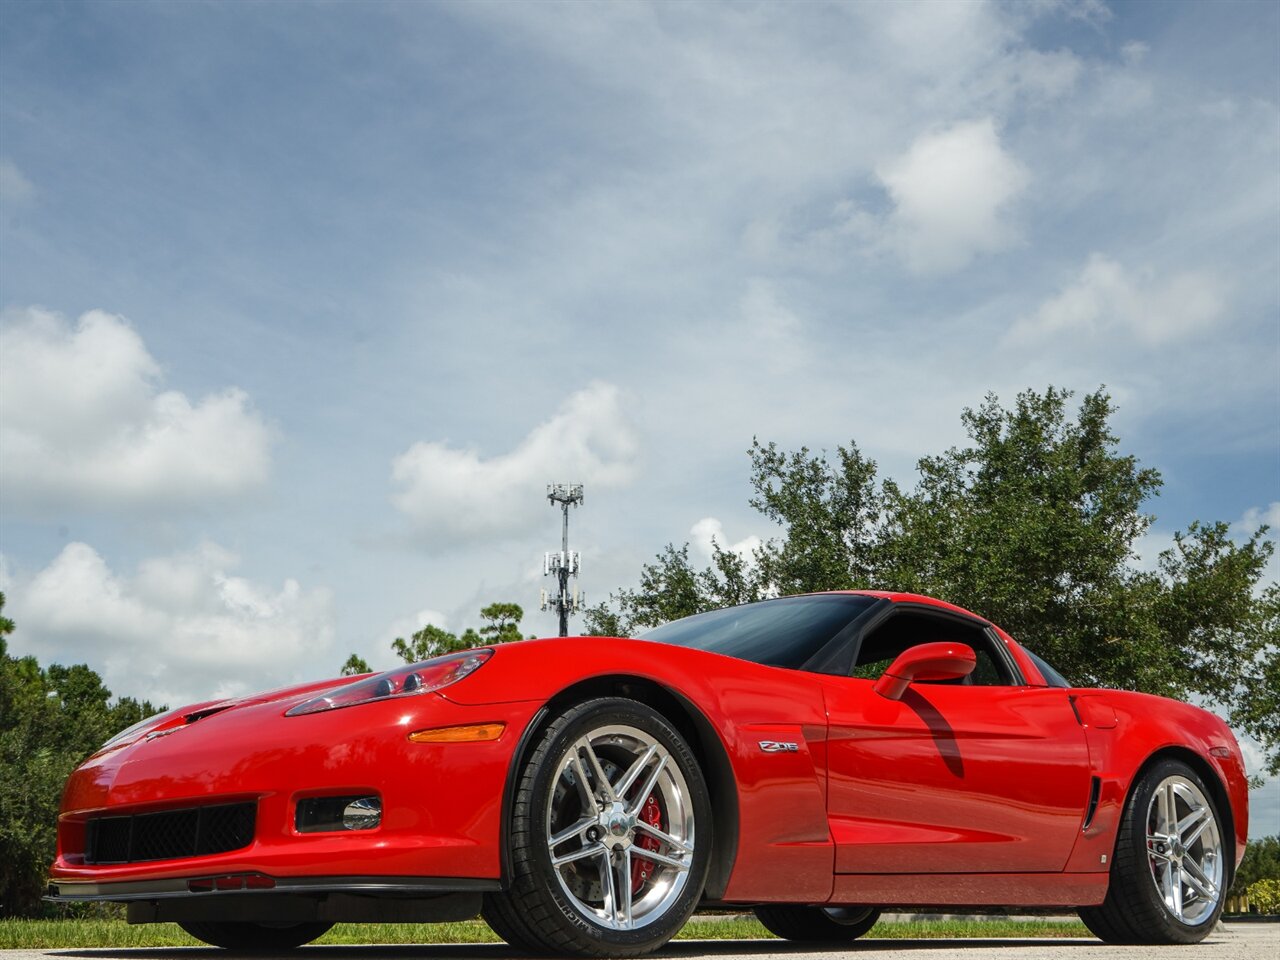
(778, 633)
(1051, 676)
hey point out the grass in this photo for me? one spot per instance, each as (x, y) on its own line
(71, 934)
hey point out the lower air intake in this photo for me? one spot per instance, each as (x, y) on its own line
(170, 834)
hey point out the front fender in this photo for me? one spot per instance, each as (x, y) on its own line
(783, 844)
(1138, 729)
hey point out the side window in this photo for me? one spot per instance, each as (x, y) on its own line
(908, 628)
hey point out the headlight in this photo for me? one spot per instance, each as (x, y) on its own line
(146, 723)
(424, 677)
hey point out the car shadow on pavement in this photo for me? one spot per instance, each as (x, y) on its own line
(500, 951)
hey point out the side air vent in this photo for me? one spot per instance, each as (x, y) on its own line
(1095, 793)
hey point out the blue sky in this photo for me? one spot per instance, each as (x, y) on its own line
(304, 304)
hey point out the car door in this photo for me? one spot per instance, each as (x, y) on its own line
(984, 776)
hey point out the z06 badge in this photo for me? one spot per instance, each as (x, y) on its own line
(779, 746)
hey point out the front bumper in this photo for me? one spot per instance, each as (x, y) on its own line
(441, 802)
(256, 897)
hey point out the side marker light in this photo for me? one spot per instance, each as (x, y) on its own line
(472, 733)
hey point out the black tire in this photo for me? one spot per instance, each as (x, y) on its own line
(247, 937)
(1135, 909)
(817, 924)
(612, 899)
(498, 912)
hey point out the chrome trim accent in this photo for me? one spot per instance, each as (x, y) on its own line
(779, 746)
(596, 829)
(1184, 851)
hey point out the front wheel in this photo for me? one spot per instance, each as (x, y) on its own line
(1170, 868)
(817, 924)
(610, 835)
(257, 937)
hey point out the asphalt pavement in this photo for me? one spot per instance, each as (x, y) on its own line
(1236, 941)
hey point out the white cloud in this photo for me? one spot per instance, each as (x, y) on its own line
(766, 317)
(15, 188)
(1255, 517)
(82, 421)
(709, 530)
(407, 626)
(1149, 546)
(454, 494)
(1134, 52)
(1107, 299)
(1247, 525)
(181, 629)
(940, 37)
(951, 192)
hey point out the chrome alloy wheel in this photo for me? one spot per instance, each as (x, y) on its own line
(1184, 850)
(620, 827)
(847, 916)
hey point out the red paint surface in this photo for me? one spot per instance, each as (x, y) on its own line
(953, 794)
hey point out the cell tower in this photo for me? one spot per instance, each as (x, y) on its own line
(566, 563)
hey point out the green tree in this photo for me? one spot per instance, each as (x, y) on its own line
(601, 621)
(502, 622)
(502, 625)
(1257, 709)
(1261, 862)
(834, 515)
(430, 641)
(1034, 523)
(50, 720)
(355, 666)
(1264, 897)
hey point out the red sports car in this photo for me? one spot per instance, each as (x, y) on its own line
(816, 757)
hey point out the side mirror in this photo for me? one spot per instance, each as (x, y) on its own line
(926, 661)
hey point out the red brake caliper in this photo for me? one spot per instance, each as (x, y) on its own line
(642, 867)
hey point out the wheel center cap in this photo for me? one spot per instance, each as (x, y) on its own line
(616, 824)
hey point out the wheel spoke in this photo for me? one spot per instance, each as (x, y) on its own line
(584, 788)
(570, 832)
(1196, 877)
(1169, 811)
(629, 778)
(610, 889)
(1173, 892)
(665, 837)
(1197, 816)
(602, 781)
(649, 783)
(590, 850)
(623, 887)
(1197, 830)
(660, 858)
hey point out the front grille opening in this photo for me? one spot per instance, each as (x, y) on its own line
(170, 834)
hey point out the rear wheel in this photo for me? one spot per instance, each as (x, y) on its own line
(242, 936)
(817, 924)
(610, 835)
(1170, 869)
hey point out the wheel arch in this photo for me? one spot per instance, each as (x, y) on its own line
(1211, 779)
(692, 724)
